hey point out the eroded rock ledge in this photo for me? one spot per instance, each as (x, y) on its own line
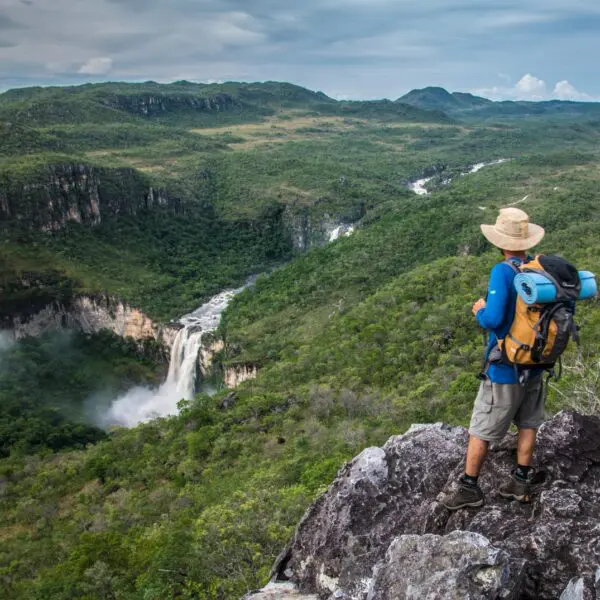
(380, 533)
(92, 314)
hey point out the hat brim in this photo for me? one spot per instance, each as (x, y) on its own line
(505, 242)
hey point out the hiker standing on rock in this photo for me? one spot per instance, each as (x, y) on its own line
(506, 395)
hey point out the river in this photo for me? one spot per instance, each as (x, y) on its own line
(419, 186)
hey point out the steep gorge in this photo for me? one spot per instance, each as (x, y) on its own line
(48, 199)
(354, 351)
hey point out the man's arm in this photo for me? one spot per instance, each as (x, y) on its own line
(491, 316)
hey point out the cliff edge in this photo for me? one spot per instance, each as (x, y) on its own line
(380, 533)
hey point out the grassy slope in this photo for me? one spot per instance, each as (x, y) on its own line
(275, 314)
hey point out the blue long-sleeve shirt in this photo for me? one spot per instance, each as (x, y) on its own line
(498, 315)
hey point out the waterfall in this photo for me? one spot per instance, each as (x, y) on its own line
(339, 231)
(143, 404)
(418, 187)
(477, 167)
(183, 367)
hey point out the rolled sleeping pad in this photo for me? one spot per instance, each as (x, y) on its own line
(535, 288)
(589, 286)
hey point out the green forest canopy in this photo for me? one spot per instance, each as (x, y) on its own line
(355, 341)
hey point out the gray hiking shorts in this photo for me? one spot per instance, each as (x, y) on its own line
(499, 404)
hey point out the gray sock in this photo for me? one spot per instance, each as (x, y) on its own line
(469, 480)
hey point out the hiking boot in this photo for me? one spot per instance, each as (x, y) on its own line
(516, 489)
(465, 496)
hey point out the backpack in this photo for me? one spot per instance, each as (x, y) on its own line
(540, 333)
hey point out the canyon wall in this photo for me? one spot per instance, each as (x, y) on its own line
(48, 198)
(92, 314)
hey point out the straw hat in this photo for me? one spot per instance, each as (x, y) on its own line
(513, 231)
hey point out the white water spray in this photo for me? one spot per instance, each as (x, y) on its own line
(142, 404)
(339, 231)
(7, 339)
(477, 167)
(418, 187)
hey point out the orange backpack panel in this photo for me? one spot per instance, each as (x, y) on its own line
(540, 332)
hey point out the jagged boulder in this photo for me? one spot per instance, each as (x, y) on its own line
(280, 591)
(459, 565)
(380, 531)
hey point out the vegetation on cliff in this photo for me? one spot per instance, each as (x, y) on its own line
(181, 210)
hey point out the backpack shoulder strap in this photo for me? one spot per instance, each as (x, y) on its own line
(513, 265)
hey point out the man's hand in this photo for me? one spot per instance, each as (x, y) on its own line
(478, 306)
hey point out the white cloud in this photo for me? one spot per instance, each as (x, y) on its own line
(531, 88)
(507, 19)
(563, 90)
(359, 48)
(97, 66)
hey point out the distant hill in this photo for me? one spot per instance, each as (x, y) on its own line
(440, 99)
(464, 105)
(186, 104)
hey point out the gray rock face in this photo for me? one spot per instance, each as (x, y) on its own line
(154, 105)
(279, 591)
(308, 228)
(459, 565)
(574, 591)
(235, 375)
(79, 193)
(380, 532)
(93, 314)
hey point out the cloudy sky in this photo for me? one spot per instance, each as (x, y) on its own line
(529, 49)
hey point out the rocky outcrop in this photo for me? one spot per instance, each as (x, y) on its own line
(307, 230)
(380, 532)
(93, 314)
(79, 193)
(211, 346)
(280, 591)
(462, 562)
(235, 375)
(155, 105)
